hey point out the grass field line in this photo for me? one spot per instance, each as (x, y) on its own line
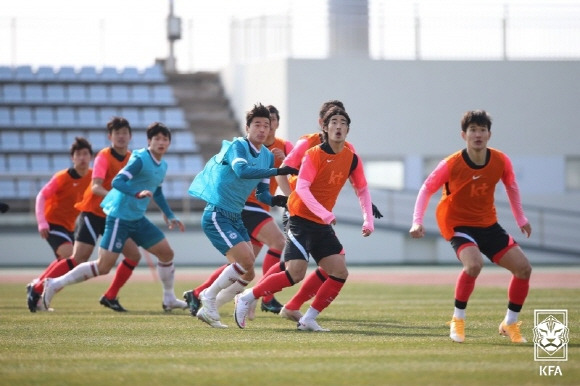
(542, 277)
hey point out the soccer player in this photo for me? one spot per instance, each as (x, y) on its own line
(55, 211)
(225, 183)
(91, 221)
(324, 171)
(260, 225)
(467, 219)
(309, 287)
(125, 206)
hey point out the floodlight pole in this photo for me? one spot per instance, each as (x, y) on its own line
(173, 34)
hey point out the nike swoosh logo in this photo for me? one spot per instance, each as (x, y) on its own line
(475, 177)
(329, 160)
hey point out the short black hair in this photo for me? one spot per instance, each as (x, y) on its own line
(158, 128)
(479, 117)
(80, 143)
(259, 110)
(117, 123)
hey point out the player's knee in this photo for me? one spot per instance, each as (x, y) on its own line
(525, 271)
(473, 268)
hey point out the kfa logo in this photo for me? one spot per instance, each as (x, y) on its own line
(551, 335)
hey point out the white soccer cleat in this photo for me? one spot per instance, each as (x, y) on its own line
(41, 308)
(209, 304)
(252, 310)
(48, 293)
(241, 308)
(204, 317)
(293, 315)
(174, 304)
(310, 325)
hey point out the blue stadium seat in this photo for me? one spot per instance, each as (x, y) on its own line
(163, 95)
(183, 141)
(98, 94)
(98, 139)
(17, 163)
(77, 94)
(65, 117)
(7, 187)
(174, 118)
(60, 161)
(45, 73)
(12, 94)
(44, 117)
(106, 113)
(130, 74)
(154, 74)
(22, 117)
(119, 94)
(53, 141)
(10, 140)
(152, 114)
(173, 163)
(24, 73)
(6, 73)
(33, 94)
(88, 117)
(32, 140)
(27, 188)
(193, 163)
(133, 115)
(109, 74)
(139, 140)
(55, 94)
(88, 74)
(141, 94)
(5, 117)
(66, 73)
(40, 163)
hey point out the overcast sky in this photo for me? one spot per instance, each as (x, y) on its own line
(133, 32)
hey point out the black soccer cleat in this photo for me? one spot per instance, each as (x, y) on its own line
(32, 297)
(272, 306)
(112, 304)
(192, 302)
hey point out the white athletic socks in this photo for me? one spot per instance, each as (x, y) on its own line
(166, 272)
(229, 276)
(227, 294)
(81, 272)
(459, 313)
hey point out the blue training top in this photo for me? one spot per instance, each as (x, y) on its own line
(230, 176)
(142, 172)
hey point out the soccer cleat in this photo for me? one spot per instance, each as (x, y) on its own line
(252, 310)
(192, 302)
(48, 293)
(293, 315)
(173, 304)
(310, 325)
(41, 308)
(272, 306)
(241, 309)
(112, 304)
(512, 331)
(204, 317)
(457, 329)
(209, 306)
(32, 297)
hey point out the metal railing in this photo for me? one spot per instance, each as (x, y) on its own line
(554, 230)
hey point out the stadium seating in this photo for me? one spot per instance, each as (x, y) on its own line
(43, 110)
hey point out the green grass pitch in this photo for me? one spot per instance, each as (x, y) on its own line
(380, 335)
